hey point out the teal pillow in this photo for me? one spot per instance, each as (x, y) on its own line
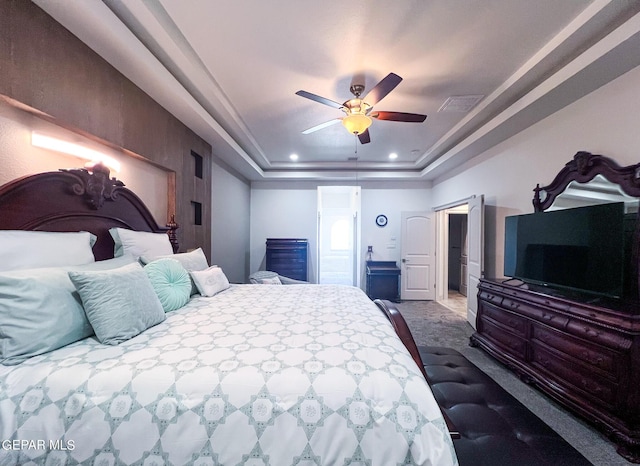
(119, 303)
(38, 313)
(171, 282)
(192, 261)
(40, 310)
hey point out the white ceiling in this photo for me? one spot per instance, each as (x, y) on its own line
(229, 69)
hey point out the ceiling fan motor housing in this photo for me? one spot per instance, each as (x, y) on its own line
(357, 89)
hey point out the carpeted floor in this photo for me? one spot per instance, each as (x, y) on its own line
(435, 325)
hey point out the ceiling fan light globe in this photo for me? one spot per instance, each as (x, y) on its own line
(356, 123)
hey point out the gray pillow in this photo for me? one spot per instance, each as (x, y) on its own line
(40, 310)
(119, 303)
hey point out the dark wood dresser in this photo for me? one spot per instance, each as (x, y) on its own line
(584, 355)
(288, 257)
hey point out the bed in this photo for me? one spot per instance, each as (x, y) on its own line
(252, 374)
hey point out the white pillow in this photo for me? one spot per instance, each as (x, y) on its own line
(140, 243)
(210, 281)
(271, 281)
(36, 249)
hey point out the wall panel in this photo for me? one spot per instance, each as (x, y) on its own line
(45, 67)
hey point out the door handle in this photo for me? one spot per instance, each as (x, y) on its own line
(404, 261)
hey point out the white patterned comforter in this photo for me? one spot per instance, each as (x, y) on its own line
(258, 374)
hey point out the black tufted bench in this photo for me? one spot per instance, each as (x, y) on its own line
(495, 428)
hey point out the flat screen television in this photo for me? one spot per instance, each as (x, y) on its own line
(580, 249)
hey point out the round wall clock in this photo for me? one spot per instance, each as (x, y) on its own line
(381, 220)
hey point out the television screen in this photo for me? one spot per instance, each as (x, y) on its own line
(581, 249)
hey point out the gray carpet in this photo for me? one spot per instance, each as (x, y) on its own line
(435, 325)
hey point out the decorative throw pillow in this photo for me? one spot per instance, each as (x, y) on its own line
(210, 281)
(271, 281)
(192, 261)
(119, 303)
(41, 311)
(21, 250)
(38, 313)
(140, 243)
(170, 281)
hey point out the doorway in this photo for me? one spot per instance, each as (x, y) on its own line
(460, 255)
(339, 235)
(456, 285)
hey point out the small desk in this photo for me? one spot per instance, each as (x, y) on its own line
(382, 280)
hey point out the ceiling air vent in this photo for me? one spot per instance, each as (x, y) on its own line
(460, 103)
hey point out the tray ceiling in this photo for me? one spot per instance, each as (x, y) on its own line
(230, 69)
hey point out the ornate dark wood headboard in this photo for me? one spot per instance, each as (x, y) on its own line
(77, 200)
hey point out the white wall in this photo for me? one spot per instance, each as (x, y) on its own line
(605, 122)
(230, 205)
(282, 212)
(289, 210)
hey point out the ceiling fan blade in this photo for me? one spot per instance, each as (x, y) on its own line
(399, 116)
(321, 126)
(383, 88)
(364, 138)
(317, 98)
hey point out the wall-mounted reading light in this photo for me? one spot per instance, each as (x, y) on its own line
(59, 145)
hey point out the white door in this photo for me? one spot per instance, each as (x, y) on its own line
(475, 258)
(464, 259)
(418, 265)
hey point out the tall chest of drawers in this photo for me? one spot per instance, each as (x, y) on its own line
(583, 355)
(288, 257)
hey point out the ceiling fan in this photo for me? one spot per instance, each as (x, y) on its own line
(358, 111)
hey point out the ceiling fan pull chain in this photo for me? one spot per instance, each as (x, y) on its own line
(356, 141)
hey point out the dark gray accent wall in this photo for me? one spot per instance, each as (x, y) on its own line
(46, 67)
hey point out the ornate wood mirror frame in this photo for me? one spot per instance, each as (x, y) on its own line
(584, 167)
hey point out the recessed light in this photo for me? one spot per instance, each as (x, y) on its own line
(393, 156)
(293, 157)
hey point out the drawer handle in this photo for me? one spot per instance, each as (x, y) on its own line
(547, 316)
(596, 390)
(591, 332)
(597, 360)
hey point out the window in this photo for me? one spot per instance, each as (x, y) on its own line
(340, 233)
(197, 212)
(197, 170)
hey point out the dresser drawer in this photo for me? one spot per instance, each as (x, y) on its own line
(287, 256)
(592, 356)
(516, 324)
(502, 336)
(565, 372)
